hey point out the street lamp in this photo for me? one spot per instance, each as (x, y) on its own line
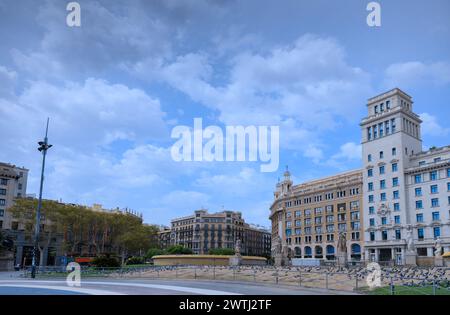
(43, 147)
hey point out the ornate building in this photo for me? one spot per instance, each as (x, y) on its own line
(204, 231)
(309, 217)
(405, 187)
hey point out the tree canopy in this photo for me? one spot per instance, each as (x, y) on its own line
(84, 231)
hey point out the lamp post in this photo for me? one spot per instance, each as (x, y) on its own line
(43, 147)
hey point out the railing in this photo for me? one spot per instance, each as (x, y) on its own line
(393, 281)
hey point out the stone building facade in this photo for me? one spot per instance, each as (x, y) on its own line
(204, 231)
(308, 217)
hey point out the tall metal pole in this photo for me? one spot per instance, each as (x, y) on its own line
(43, 147)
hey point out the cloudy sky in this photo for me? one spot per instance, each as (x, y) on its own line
(115, 87)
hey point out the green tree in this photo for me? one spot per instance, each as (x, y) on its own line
(154, 252)
(221, 251)
(179, 250)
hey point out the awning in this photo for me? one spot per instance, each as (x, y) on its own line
(447, 255)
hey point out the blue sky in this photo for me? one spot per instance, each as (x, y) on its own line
(115, 87)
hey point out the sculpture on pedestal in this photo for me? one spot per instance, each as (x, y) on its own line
(342, 249)
(410, 256)
(237, 248)
(409, 240)
(236, 260)
(438, 247)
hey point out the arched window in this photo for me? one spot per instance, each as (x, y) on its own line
(308, 252)
(356, 249)
(356, 252)
(330, 252)
(298, 252)
(319, 252)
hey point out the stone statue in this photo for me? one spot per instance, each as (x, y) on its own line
(342, 243)
(237, 247)
(438, 247)
(278, 245)
(409, 239)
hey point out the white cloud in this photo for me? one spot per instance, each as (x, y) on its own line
(306, 88)
(7, 82)
(349, 151)
(314, 153)
(416, 73)
(431, 126)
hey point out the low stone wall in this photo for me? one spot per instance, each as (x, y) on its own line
(205, 260)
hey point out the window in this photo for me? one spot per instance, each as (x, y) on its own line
(371, 210)
(394, 151)
(383, 196)
(2, 202)
(435, 202)
(372, 222)
(289, 224)
(433, 175)
(419, 204)
(448, 186)
(384, 235)
(369, 158)
(370, 199)
(395, 182)
(434, 189)
(382, 170)
(369, 134)
(448, 172)
(298, 223)
(2, 212)
(4, 181)
(418, 178)
(396, 194)
(394, 167)
(381, 153)
(383, 221)
(370, 187)
(422, 163)
(398, 235)
(376, 109)
(372, 236)
(382, 184)
(393, 125)
(396, 206)
(397, 219)
(369, 172)
(419, 218)
(420, 234)
(418, 192)
(435, 216)
(2, 191)
(436, 232)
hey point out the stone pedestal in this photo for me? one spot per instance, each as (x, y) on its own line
(236, 260)
(342, 259)
(281, 261)
(439, 261)
(411, 259)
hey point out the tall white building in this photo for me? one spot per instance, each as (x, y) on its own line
(403, 186)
